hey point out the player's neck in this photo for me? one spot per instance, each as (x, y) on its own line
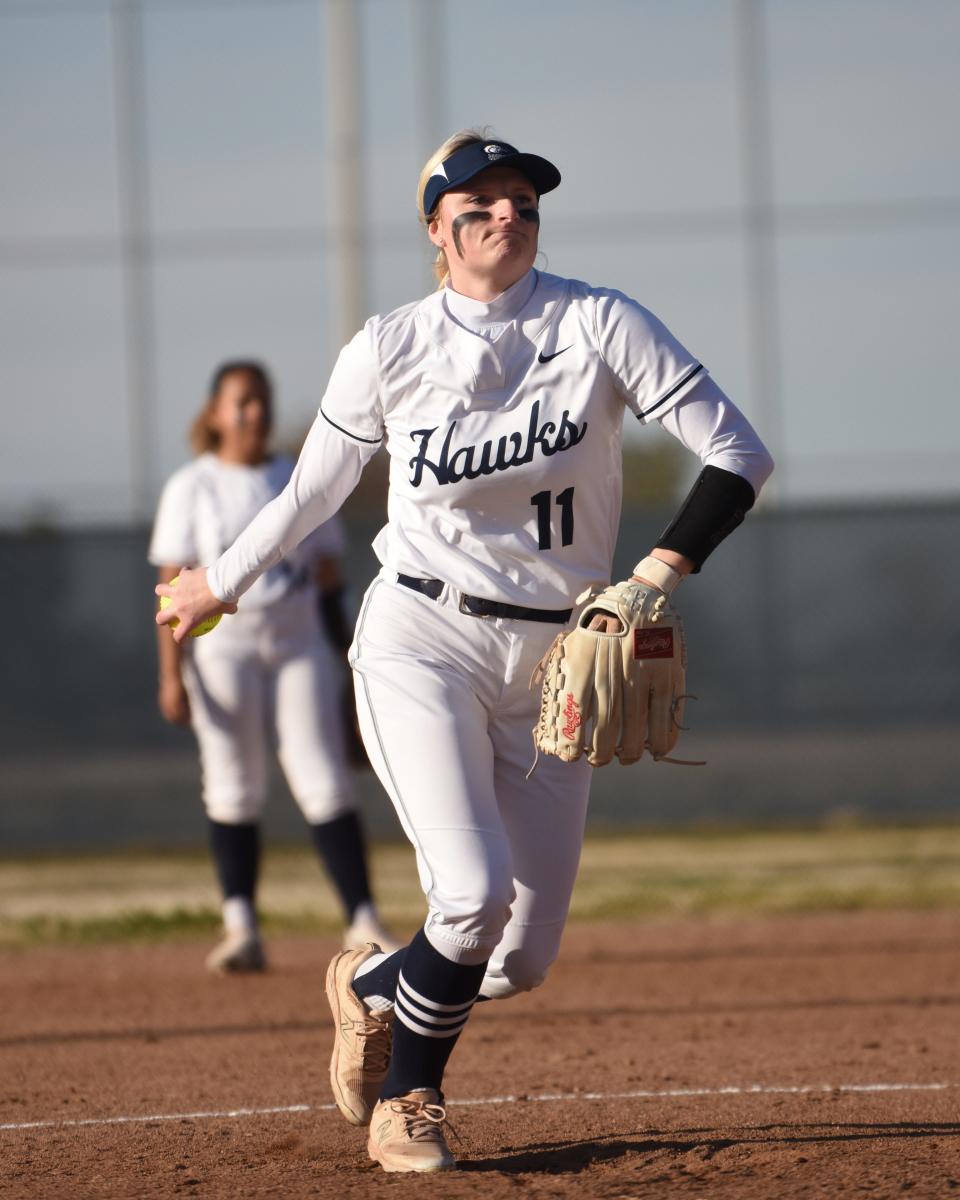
(240, 455)
(485, 287)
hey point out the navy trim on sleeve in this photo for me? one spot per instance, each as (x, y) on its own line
(356, 437)
(694, 370)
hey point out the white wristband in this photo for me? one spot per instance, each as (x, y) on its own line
(655, 571)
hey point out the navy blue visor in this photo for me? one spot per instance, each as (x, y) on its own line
(471, 160)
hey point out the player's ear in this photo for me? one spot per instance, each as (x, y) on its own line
(433, 228)
(435, 234)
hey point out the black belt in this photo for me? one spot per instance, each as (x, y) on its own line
(476, 606)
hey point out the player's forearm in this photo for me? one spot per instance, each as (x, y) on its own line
(326, 473)
(169, 655)
(736, 464)
(330, 601)
(169, 652)
(715, 506)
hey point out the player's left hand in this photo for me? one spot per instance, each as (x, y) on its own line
(608, 623)
(191, 602)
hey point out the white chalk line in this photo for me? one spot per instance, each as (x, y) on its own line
(752, 1089)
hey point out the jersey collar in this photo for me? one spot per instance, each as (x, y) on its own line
(501, 309)
(534, 313)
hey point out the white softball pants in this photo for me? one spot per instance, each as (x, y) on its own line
(446, 714)
(266, 679)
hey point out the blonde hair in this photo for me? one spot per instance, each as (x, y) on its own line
(466, 137)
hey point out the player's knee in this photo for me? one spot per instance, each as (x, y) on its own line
(320, 807)
(471, 916)
(493, 909)
(233, 807)
(485, 919)
(522, 970)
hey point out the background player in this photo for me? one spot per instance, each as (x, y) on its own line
(269, 675)
(500, 399)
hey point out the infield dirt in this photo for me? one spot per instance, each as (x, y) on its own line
(827, 1002)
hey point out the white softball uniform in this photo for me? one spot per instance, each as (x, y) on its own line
(503, 423)
(446, 711)
(267, 674)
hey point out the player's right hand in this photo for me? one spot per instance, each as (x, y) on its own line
(191, 602)
(174, 702)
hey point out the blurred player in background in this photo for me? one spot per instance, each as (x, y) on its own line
(270, 676)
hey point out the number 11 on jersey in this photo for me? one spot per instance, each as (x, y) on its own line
(541, 501)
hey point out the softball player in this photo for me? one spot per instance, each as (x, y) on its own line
(266, 675)
(500, 400)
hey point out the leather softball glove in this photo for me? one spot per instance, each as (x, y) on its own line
(615, 693)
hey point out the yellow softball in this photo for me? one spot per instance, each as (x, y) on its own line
(198, 630)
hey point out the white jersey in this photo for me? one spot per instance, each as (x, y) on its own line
(207, 503)
(503, 424)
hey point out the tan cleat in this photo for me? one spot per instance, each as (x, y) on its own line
(406, 1133)
(362, 1039)
(237, 953)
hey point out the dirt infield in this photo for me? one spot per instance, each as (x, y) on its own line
(785, 1057)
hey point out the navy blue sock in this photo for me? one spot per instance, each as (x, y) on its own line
(236, 855)
(434, 997)
(381, 980)
(341, 848)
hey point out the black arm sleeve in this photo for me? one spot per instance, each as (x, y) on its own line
(334, 617)
(716, 505)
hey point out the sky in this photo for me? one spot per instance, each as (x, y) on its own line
(806, 249)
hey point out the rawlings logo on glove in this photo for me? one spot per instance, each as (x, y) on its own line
(614, 693)
(572, 719)
(653, 643)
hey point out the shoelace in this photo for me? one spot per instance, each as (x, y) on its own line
(423, 1120)
(376, 1054)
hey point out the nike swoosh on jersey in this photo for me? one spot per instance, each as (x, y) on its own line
(541, 357)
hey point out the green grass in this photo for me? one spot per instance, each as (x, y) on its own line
(147, 897)
(142, 925)
(770, 872)
(131, 925)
